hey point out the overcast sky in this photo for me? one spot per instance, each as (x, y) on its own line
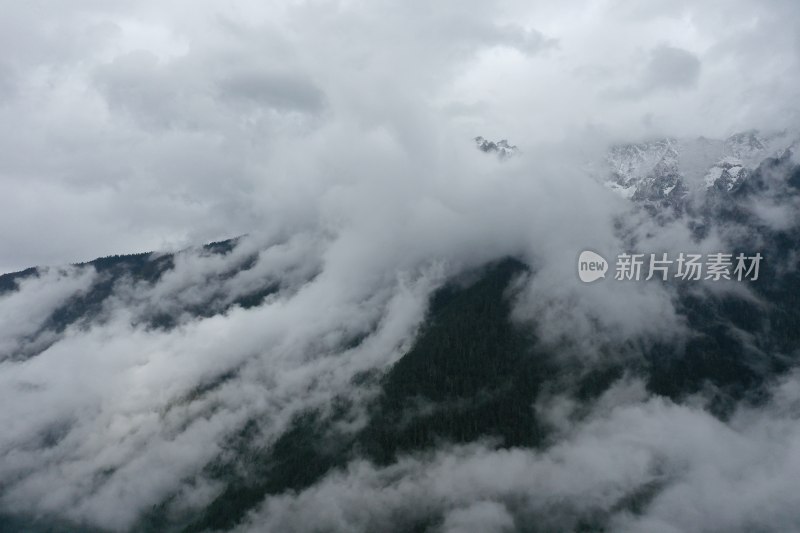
(132, 126)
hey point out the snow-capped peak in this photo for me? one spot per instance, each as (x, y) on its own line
(502, 148)
(661, 169)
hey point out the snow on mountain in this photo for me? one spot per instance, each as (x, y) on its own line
(502, 148)
(727, 172)
(669, 170)
(648, 166)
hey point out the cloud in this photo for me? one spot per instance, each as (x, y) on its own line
(668, 457)
(99, 427)
(158, 125)
(666, 69)
(671, 68)
(276, 90)
(24, 313)
(337, 136)
(482, 516)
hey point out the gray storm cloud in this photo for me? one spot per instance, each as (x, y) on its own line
(155, 126)
(671, 68)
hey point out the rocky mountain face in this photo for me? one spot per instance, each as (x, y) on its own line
(501, 148)
(681, 175)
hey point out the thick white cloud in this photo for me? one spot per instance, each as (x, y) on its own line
(152, 125)
(24, 313)
(337, 134)
(691, 472)
(106, 422)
